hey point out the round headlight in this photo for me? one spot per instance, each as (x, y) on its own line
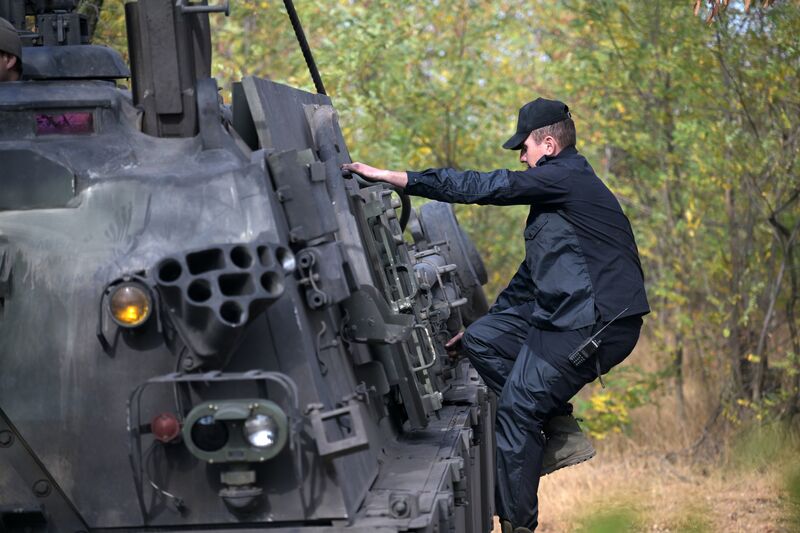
(261, 431)
(209, 435)
(130, 304)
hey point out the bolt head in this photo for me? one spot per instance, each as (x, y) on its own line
(400, 507)
(41, 488)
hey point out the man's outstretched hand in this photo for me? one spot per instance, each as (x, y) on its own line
(454, 346)
(393, 177)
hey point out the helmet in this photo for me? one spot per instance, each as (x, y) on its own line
(9, 39)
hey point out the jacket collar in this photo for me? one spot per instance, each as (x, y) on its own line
(566, 152)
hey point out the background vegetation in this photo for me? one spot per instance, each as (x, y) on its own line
(692, 117)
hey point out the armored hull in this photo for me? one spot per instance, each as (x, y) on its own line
(284, 367)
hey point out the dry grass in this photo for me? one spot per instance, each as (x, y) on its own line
(647, 481)
(636, 491)
(653, 494)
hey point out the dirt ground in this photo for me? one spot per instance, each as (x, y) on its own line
(650, 494)
(646, 480)
(658, 496)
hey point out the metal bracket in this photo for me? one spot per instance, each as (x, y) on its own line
(185, 7)
(336, 448)
(300, 182)
(209, 116)
(371, 320)
(136, 427)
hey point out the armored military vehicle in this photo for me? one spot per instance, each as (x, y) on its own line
(204, 325)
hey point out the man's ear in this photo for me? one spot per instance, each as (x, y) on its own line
(9, 59)
(551, 145)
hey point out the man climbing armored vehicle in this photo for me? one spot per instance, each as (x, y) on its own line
(571, 312)
(10, 52)
(204, 326)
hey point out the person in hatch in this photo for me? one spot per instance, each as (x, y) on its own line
(10, 52)
(571, 312)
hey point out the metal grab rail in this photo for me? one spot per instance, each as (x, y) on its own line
(185, 7)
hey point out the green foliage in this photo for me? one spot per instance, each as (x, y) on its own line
(793, 491)
(609, 521)
(763, 445)
(614, 516)
(695, 129)
(417, 85)
(110, 30)
(621, 518)
(772, 446)
(694, 126)
(608, 409)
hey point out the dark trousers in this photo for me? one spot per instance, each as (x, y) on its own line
(528, 369)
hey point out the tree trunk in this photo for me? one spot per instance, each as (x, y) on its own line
(734, 335)
(760, 370)
(678, 366)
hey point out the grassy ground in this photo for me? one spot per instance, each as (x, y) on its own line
(648, 481)
(640, 491)
(652, 494)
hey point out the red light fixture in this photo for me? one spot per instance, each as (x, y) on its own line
(165, 427)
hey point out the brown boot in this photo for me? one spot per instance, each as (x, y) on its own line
(566, 444)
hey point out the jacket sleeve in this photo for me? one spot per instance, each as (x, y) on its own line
(519, 291)
(538, 185)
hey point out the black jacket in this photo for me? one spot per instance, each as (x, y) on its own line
(580, 254)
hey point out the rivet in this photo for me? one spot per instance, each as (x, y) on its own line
(41, 488)
(6, 438)
(399, 507)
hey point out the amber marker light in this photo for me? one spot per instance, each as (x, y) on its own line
(129, 304)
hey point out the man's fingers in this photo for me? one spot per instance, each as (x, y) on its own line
(358, 168)
(361, 169)
(453, 346)
(350, 167)
(455, 340)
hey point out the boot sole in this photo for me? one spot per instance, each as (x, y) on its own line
(572, 461)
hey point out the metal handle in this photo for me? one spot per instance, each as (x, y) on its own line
(225, 7)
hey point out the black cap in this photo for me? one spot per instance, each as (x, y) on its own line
(9, 39)
(534, 115)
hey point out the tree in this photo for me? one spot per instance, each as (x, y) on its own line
(697, 129)
(694, 127)
(717, 6)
